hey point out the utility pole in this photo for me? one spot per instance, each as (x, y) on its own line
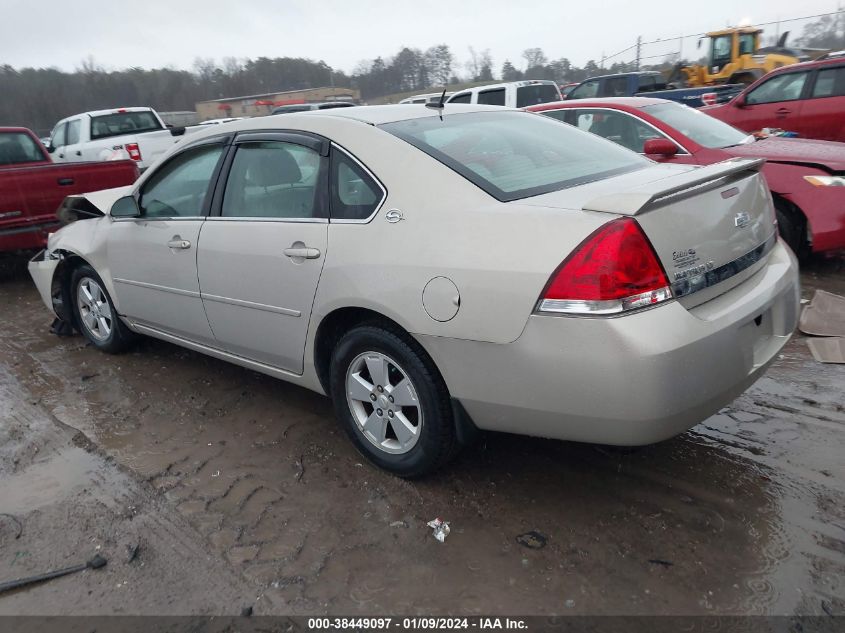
(639, 45)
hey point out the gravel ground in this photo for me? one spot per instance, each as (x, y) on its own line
(242, 490)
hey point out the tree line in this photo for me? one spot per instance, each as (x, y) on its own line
(38, 97)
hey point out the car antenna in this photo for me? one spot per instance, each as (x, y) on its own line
(440, 105)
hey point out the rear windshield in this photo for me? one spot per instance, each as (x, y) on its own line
(701, 128)
(17, 148)
(537, 93)
(123, 123)
(513, 155)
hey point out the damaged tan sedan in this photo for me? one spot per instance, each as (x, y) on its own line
(436, 271)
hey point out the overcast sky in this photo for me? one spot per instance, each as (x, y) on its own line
(154, 33)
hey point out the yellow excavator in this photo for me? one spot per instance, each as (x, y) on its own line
(735, 57)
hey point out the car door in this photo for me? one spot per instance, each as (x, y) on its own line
(774, 103)
(822, 113)
(73, 149)
(58, 142)
(153, 257)
(262, 251)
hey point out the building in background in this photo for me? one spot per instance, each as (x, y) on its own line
(260, 105)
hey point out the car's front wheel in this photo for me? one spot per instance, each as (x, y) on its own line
(95, 312)
(392, 401)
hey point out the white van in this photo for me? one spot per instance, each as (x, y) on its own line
(515, 94)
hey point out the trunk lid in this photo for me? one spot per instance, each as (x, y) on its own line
(711, 227)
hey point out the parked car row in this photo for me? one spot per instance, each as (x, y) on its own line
(437, 270)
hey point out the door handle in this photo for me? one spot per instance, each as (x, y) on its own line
(302, 252)
(78, 153)
(64, 182)
(782, 112)
(177, 242)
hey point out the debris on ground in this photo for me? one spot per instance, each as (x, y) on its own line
(825, 317)
(95, 563)
(16, 522)
(661, 562)
(246, 612)
(132, 551)
(532, 539)
(440, 527)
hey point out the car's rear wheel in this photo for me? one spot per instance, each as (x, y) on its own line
(392, 401)
(792, 227)
(95, 313)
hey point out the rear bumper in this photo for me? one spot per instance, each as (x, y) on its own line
(631, 380)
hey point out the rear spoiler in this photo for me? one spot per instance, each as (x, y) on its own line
(675, 187)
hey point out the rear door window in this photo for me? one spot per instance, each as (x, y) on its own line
(615, 87)
(492, 97)
(785, 87)
(272, 179)
(830, 82)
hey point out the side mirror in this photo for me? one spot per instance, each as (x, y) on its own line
(660, 147)
(50, 148)
(125, 207)
(177, 131)
(740, 102)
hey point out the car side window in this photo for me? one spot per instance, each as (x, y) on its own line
(73, 132)
(492, 97)
(785, 87)
(647, 83)
(354, 193)
(273, 179)
(179, 187)
(830, 82)
(462, 98)
(586, 90)
(58, 137)
(616, 87)
(619, 127)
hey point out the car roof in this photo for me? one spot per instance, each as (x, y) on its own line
(622, 102)
(816, 63)
(378, 114)
(112, 111)
(7, 130)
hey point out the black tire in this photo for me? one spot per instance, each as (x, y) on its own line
(118, 337)
(436, 443)
(791, 225)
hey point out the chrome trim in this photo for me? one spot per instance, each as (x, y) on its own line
(220, 218)
(251, 304)
(149, 286)
(373, 176)
(707, 279)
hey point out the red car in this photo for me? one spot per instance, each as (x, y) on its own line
(32, 187)
(808, 99)
(806, 177)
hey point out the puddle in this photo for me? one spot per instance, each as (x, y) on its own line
(63, 475)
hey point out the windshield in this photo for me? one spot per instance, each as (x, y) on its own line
(17, 147)
(123, 123)
(513, 155)
(700, 127)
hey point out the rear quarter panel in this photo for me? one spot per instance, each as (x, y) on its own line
(499, 256)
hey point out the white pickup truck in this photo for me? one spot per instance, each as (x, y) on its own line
(135, 133)
(513, 94)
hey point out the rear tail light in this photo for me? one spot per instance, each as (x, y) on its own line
(709, 98)
(133, 150)
(613, 271)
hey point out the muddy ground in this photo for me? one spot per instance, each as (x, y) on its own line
(242, 490)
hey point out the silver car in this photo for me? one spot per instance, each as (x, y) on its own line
(440, 271)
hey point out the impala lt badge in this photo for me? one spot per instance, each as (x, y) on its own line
(741, 220)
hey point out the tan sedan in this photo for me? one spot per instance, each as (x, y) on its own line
(437, 271)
